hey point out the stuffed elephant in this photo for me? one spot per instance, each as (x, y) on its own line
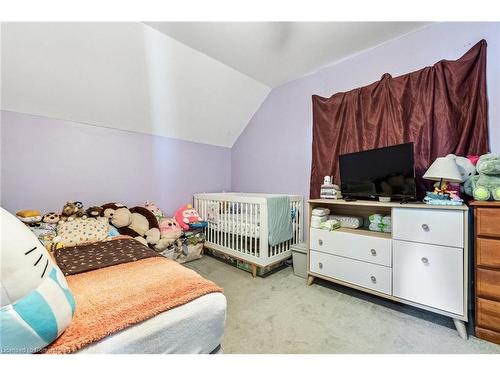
(486, 184)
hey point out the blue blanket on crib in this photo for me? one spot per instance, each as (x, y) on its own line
(279, 219)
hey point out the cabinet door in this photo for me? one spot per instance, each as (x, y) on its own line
(430, 275)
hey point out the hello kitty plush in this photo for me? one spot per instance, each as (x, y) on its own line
(36, 303)
(186, 216)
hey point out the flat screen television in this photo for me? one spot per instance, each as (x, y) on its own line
(381, 172)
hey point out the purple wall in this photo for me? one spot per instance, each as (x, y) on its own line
(46, 162)
(273, 154)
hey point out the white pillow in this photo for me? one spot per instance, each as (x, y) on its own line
(79, 231)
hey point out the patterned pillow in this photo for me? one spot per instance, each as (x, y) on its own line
(80, 231)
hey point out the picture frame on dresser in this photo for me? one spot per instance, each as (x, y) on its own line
(423, 262)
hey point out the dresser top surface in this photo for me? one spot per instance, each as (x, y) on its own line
(485, 204)
(388, 204)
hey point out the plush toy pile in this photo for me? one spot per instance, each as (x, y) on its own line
(36, 304)
(173, 237)
(137, 222)
(486, 185)
(480, 180)
(183, 232)
(452, 194)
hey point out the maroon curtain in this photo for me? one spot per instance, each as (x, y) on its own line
(442, 109)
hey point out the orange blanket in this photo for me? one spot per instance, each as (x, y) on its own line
(113, 298)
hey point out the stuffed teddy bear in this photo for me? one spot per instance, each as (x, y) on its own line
(94, 212)
(486, 185)
(72, 210)
(51, 218)
(108, 209)
(187, 216)
(46, 231)
(36, 304)
(137, 222)
(170, 230)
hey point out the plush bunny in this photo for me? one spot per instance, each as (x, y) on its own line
(155, 210)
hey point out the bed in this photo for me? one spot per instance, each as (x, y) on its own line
(239, 226)
(196, 328)
(135, 301)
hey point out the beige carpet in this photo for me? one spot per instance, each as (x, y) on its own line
(280, 314)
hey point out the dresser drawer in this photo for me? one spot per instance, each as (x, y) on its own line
(440, 227)
(366, 275)
(430, 275)
(488, 314)
(488, 252)
(351, 245)
(488, 283)
(488, 222)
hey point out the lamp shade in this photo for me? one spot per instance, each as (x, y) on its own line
(444, 168)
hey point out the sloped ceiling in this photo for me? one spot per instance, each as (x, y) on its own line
(277, 52)
(195, 81)
(126, 76)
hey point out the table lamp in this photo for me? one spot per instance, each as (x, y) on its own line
(444, 169)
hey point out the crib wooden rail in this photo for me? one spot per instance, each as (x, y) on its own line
(238, 227)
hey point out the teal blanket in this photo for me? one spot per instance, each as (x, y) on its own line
(279, 219)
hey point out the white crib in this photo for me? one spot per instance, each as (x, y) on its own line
(237, 226)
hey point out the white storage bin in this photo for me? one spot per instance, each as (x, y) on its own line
(299, 256)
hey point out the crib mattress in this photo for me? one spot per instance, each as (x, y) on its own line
(196, 327)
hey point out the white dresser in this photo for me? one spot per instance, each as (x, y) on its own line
(423, 262)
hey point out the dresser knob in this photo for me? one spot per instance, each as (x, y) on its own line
(320, 242)
(320, 265)
(374, 279)
(374, 252)
(425, 260)
(425, 227)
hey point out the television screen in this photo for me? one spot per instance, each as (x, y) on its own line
(386, 172)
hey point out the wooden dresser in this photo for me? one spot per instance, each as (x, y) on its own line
(487, 269)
